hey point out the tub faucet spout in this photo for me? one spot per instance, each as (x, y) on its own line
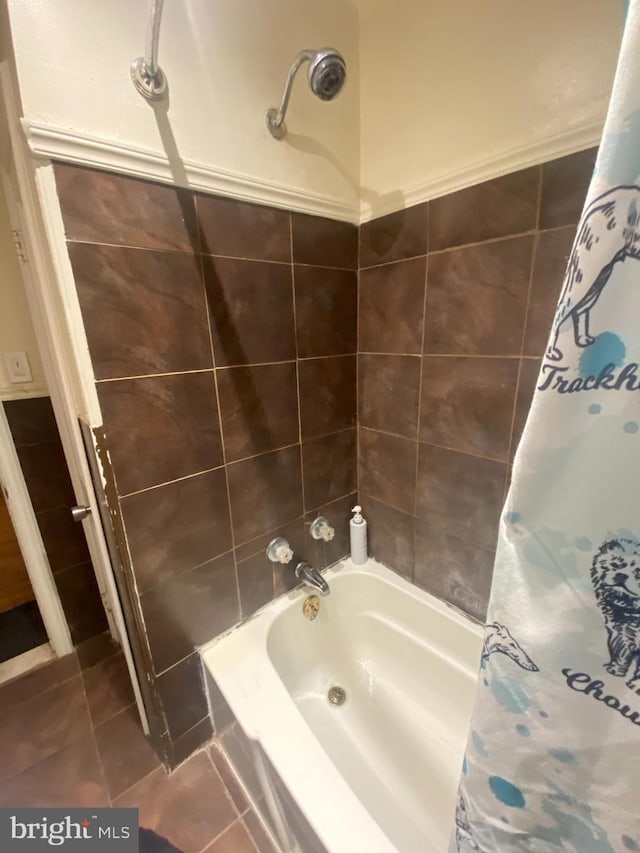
(311, 577)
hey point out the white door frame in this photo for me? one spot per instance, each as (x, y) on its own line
(49, 284)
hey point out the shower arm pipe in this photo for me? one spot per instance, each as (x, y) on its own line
(153, 37)
(147, 76)
(275, 118)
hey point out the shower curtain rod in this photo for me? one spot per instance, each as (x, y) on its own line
(147, 76)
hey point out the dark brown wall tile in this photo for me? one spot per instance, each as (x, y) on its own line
(476, 299)
(391, 307)
(564, 186)
(190, 741)
(387, 467)
(265, 492)
(63, 539)
(251, 311)
(467, 403)
(46, 475)
(100, 207)
(161, 428)
(144, 312)
(461, 494)
(326, 311)
(259, 408)
(399, 235)
(497, 208)
(293, 531)
(31, 420)
(329, 465)
(324, 242)
(388, 392)
(182, 693)
(327, 395)
(389, 535)
(173, 528)
(529, 370)
(189, 610)
(81, 601)
(458, 571)
(550, 263)
(255, 580)
(338, 514)
(240, 230)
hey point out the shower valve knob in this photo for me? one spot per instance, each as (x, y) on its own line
(279, 550)
(321, 529)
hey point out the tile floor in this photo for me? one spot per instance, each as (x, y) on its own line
(70, 736)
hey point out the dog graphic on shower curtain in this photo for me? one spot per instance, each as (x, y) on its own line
(615, 574)
(498, 639)
(608, 234)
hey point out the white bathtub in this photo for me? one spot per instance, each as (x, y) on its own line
(378, 773)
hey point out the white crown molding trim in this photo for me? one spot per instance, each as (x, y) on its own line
(57, 143)
(540, 151)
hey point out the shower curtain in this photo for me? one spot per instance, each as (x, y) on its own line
(553, 757)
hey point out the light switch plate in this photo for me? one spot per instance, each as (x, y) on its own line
(17, 366)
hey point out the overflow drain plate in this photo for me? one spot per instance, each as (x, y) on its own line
(336, 695)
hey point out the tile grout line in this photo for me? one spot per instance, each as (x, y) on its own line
(226, 465)
(200, 254)
(170, 482)
(299, 408)
(419, 413)
(478, 243)
(358, 277)
(437, 446)
(445, 355)
(220, 426)
(439, 527)
(197, 370)
(206, 749)
(190, 372)
(239, 818)
(95, 743)
(534, 258)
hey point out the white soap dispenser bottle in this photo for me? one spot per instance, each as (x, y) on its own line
(358, 535)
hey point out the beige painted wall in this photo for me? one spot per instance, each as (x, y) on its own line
(226, 63)
(446, 87)
(16, 329)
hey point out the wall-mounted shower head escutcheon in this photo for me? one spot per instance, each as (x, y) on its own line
(321, 529)
(279, 550)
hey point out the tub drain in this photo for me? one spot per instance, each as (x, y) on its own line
(336, 695)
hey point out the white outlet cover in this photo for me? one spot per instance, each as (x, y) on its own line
(17, 366)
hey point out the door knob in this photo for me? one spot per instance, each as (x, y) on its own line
(79, 513)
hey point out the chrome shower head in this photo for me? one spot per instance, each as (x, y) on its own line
(327, 76)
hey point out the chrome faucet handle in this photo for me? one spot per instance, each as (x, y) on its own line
(279, 550)
(321, 529)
